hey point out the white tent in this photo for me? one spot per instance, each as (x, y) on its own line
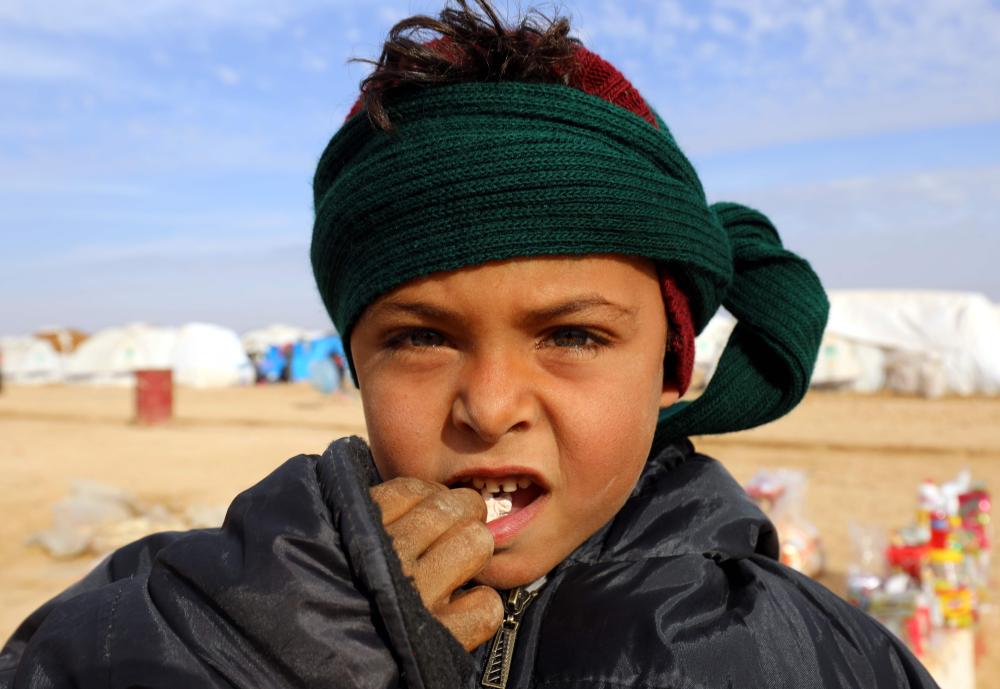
(841, 363)
(199, 354)
(208, 355)
(934, 342)
(915, 342)
(708, 347)
(258, 341)
(837, 363)
(846, 364)
(28, 359)
(110, 356)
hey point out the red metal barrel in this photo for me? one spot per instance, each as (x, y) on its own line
(154, 396)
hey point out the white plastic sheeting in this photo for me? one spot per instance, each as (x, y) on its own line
(110, 356)
(207, 355)
(200, 355)
(29, 360)
(934, 343)
(837, 363)
(913, 342)
(709, 344)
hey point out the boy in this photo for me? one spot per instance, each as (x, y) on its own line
(518, 256)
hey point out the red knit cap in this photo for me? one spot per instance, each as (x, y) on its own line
(594, 75)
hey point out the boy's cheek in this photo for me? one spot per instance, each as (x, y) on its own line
(400, 429)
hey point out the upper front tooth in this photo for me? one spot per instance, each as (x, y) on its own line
(492, 485)
(509, 485)
(479, 483)
(523, 482)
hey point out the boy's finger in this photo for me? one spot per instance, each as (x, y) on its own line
(473, 616)
(398, 496)
(415, 531)
(460, 554)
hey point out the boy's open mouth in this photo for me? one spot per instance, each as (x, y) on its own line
(504, 496)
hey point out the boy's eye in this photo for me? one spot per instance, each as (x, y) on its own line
(571, 337)
(418, 338)
(576, 338)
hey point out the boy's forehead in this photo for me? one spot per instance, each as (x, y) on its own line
(571, 305)
(544, 272)
(563, 285)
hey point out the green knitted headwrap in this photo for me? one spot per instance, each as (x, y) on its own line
(477, 172)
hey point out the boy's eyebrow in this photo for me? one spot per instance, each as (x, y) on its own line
(577, 305)
(416, 308)
(541, 315)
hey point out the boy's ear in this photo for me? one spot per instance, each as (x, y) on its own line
(670, 393)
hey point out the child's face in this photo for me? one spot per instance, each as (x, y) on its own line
(545, 368)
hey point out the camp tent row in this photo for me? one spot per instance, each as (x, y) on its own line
(200, 355)
(914, 342)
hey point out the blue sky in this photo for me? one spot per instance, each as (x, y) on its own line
(156, 157)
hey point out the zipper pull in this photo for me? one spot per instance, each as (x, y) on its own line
(497, 669)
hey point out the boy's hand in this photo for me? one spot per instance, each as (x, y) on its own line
(441, 538)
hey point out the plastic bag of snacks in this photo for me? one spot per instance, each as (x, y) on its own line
(781, 493)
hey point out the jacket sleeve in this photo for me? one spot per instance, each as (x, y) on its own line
(298, 588)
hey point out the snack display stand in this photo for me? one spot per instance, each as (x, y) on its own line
(930, 583)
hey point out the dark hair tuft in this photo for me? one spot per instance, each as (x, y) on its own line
(466, 45)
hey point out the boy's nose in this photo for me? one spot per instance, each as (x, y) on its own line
(494, 398)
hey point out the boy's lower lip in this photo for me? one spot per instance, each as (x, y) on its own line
(506, 529)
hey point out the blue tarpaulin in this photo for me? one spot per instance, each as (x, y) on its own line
(305, 353)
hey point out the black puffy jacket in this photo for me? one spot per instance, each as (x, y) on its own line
(300, 588)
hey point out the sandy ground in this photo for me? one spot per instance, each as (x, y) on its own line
(864, 457)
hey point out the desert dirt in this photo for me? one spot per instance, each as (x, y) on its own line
(864, 457)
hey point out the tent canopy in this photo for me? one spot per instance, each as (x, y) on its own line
(207, 355)
(28, 359)
(950, 336)
(110, 356)
(200, 354)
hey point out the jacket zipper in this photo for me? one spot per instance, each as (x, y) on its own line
(497, 669)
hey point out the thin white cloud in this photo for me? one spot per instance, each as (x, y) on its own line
(313, 62)
(930, 229)
(22, 60)
(802, 69)
(240, 288)
(962, 198)
(50, 186)
(227, 75)
(619, 23)
(390, 14)
(188, 247)
(123, 18)
(154, 145)
(902, 199)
